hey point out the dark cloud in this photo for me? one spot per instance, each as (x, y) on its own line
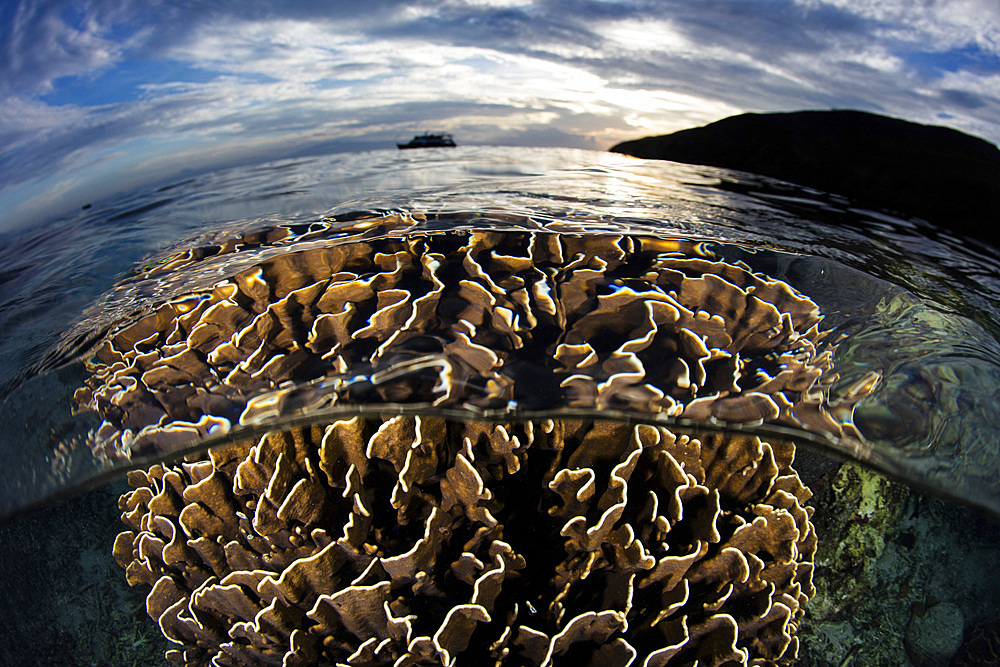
(962, 98)
(764, 26)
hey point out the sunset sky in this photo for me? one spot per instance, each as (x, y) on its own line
(105, 95)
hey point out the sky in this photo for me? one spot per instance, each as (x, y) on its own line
(101, 96)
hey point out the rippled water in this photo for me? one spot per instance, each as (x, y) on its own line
(913, 309)
(495, 284)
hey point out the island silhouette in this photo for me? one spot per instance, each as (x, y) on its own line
(944, 176)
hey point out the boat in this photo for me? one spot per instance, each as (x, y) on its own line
(429, 140)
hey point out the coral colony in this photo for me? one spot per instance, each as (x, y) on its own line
(422, 539)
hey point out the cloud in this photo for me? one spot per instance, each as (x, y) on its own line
(938, 25)
(90, 88)
(962, 98)
(45, 41)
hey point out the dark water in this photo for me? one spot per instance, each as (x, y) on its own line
(885, 329)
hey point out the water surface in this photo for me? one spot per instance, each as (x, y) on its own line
(912, 308)
(508, 285)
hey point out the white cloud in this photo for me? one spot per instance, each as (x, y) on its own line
(23, 115)
(588, 74)
(936, 24)
(42, 45)
(649, 36)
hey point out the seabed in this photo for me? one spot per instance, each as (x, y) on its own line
(889, 559)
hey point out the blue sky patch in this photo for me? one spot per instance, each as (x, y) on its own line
(123, 83)
(935, 63)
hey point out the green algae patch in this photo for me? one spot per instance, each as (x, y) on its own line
(870, 507)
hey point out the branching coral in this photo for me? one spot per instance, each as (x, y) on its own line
(416, 541)
(475, 320)
(413, 540)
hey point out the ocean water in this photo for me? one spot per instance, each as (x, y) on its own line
(518, 287)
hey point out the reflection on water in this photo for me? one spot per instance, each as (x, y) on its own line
(509, 293)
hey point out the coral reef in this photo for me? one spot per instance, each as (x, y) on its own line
(413, 541)
(513, 539)
(478, 320)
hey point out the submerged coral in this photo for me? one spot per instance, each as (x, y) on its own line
(416, 541)
(477, 320)
(524, 538)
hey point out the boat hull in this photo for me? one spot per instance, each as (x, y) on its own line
(429, 141)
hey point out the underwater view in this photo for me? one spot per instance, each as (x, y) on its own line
(518, 406)
(523, 333)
